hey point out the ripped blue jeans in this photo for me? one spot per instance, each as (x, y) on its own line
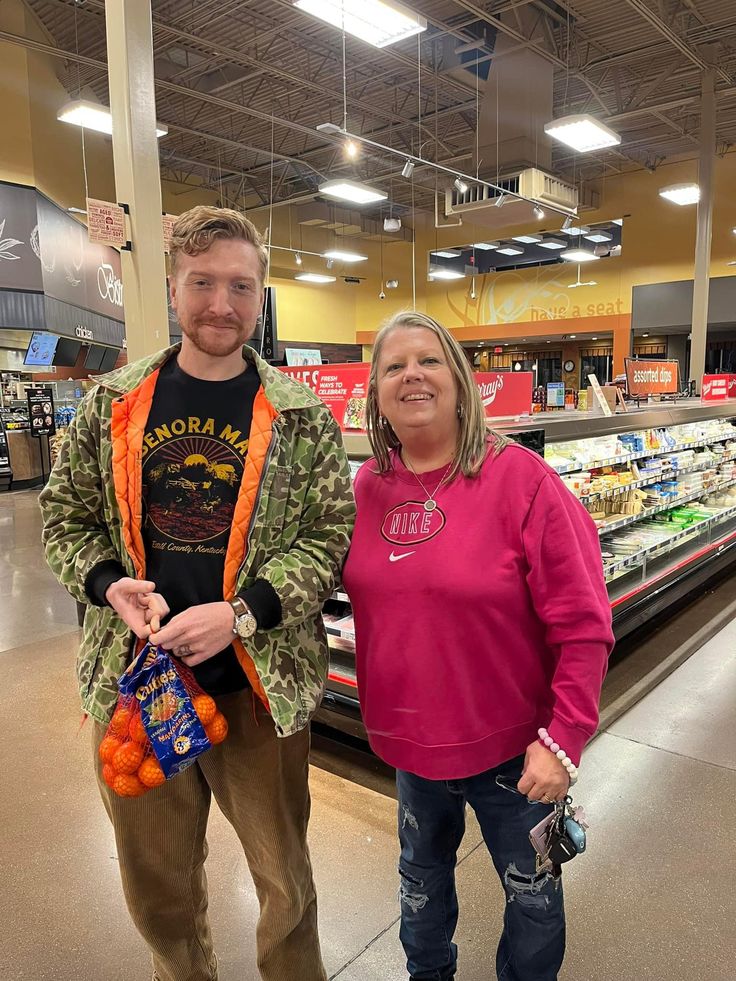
(431, 827)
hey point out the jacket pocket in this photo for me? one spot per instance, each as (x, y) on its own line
(276, 498)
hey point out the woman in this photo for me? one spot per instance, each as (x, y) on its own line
(481, 617)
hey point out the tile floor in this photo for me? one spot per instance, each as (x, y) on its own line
(652, 899)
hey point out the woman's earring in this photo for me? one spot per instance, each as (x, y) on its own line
(382, 422)
(460, 410)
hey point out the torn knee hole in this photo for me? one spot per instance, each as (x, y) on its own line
(410, 893)
(529, 890)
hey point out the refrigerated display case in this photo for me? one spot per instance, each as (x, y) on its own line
(660, 484)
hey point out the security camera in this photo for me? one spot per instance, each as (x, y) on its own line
(381, 295)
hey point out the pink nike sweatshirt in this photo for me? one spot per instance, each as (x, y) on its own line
(478, 622)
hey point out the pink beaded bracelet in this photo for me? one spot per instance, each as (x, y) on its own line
(561, 755)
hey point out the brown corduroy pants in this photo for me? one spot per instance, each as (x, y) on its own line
(260, 784)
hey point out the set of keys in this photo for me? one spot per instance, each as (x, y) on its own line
(560, 836)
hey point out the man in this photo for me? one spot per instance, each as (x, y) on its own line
(205, 483)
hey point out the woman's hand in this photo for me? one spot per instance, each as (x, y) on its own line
(543, 777)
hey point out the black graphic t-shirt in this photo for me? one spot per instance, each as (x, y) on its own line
(194, 452)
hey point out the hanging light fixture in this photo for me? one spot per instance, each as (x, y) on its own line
(91, 115)
(298, 259)
(460, 185)
(408, 169)
(582, 132)
(538, 212)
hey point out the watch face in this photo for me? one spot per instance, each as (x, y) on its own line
(246, 626)
(569, 366)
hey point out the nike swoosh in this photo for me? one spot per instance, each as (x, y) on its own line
(397, 558)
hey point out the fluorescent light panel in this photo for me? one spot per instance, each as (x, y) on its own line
(377, 22)
(344, 256)
(528, 239)
(490, 246)
(553, 243)
(508, 249)
(447, 253)
(583, 133)
(90, 115)
(352, 191)
(308, 277)
(599, 235)
(681, 194)
(578, 255)
(445, 274)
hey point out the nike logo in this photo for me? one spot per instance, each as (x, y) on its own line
(397, 558)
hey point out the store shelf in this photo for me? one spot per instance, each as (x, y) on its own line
(630, 519)
(672, 474)
(633, 457)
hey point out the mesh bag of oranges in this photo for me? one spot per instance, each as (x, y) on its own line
(162, 722)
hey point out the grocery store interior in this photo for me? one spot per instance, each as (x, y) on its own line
(550, 179)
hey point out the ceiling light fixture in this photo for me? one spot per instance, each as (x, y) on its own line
(582, 132)
(486, 246)
(308, 277)
(681, 194)
(508, 249)
(566, 223)
(351, 149)
(392, 224)
(598, 235)
(447, 253)
(500, 201)
(344, 256)
(528, 239)
(553, 243)
(576, 229)
(408, 169)
(377, 22)
(460, 185)
(445, 274)
(330, 263)
(91, 115)
(538, 212)
(353, 191)
(578, 255)
(298, 259)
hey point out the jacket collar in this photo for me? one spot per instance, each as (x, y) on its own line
(282, 392)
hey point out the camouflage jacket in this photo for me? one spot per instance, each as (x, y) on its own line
(291, 527)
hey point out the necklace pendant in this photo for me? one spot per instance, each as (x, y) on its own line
(429, 504)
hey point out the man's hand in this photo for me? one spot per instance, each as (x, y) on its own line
(198, 633)
(131, 599)
(544, 777)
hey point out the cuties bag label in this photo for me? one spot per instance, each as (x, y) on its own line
(173, 727)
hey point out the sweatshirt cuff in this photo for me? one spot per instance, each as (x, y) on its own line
(570, 738)
(99, 579)
(264, 603)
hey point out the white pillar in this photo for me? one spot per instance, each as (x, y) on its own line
(137, 174)
(701, 285)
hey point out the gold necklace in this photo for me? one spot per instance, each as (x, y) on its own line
(430, 504)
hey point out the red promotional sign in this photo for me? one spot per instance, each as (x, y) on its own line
(718, 388)
(645, 377)
(505, 393)
(343, 387)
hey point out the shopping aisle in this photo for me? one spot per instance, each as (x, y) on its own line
(652, 898)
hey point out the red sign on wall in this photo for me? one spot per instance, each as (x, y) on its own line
(505, 393)
(645, 377)
(343, 387)
(718, 388)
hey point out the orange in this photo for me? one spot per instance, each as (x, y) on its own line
(108, 774)
(108, 747)
(127, 785)
(137, 731)
(150, 772)
(204, 706)
(128, 758)
(217, 729)
(119, 722)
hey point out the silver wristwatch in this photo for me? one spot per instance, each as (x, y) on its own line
(244, 623)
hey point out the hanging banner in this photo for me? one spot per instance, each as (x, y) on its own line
(645, 377)
(105, 222)
(718, 388)
(505, 393)
(41, 411)
(343, 387)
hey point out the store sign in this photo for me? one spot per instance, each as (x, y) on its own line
(105, 222)
(302, 355)
(83, 333)
(555, 395)
(343, 387)
(645, 377)
(41, 411)
(718, 388)
(505, 393)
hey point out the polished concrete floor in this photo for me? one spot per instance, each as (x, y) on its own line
(653, 898)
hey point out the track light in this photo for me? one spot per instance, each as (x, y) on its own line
(566, 223)
(460, 184)
(351, 149)
(330, 263)
(408, 169)
(391, 224)
(500, 201)
(298, 259)
(538, 212)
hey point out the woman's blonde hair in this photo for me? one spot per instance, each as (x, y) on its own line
(195, 230)
(476, 439)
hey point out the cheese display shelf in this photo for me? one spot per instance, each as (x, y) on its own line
(660, 484)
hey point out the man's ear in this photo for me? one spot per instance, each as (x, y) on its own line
(172, 291)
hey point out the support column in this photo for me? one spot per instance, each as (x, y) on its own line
(137, 174)
(701, 286)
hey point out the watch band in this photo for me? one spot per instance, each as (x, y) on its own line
(240, 607)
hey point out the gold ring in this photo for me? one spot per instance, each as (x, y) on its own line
(185, 650)
(547, 799)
